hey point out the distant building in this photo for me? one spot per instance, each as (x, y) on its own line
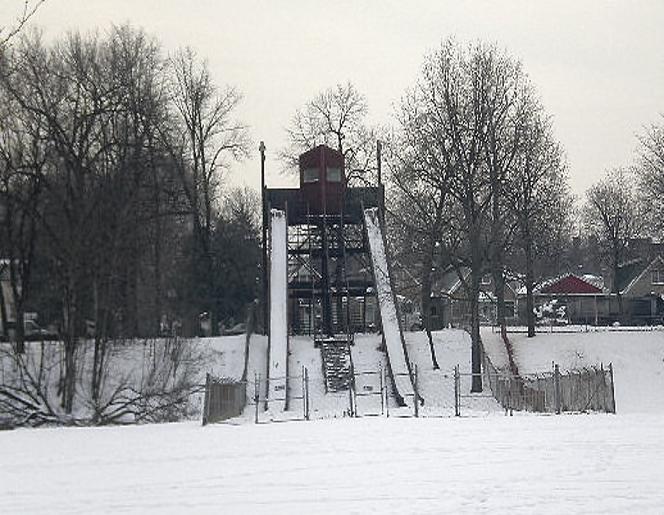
(450, 305)
(641, 284)
(565, 299)
(7, 307)
(570, 298)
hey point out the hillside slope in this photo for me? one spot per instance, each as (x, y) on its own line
(637, 358)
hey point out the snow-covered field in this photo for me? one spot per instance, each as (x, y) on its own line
(520, 464)
(478, 464)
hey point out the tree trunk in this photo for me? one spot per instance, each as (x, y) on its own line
(157, 265)
(530, 287)
(96, 358)
(476, 350)
(616, 288)
(499, 291)
(19, 335)
(3, 312)
(426, 297)
(69, 337)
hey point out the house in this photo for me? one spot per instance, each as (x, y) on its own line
(587, 299)
(641, 285)
(7, 307)
(571, 298)
(450, 305)
(566, 299)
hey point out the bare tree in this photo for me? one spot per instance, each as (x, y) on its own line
(97, 104)
(73, 98)
(105, 148)
(538, 199)
(650, 171)
(207, 138)
(419, 200)
(337, 118)
(611, 214)
(22, 159)
(474, 100)
(28, 11)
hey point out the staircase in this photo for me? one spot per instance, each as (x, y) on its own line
(337, 367)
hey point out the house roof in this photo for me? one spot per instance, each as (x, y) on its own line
(569, 284)
(636, 277)
(628, 272)
(447, 282)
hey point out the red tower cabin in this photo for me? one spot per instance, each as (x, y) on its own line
(323, 180)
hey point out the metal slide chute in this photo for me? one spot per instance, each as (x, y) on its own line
(277, 393)
(392, 332)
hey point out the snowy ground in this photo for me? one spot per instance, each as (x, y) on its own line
(637, 358)
(474, 464)
(436, 387)
(520, 464)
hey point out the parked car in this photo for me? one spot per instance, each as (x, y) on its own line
(236, 329)
(33, 331)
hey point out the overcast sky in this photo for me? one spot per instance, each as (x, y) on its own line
(598, 66)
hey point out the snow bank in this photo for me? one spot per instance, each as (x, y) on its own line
(225, 355)
(494, 346)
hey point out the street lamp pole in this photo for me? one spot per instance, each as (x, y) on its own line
(261, 149)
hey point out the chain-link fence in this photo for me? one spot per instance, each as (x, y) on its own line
(370, 394)
(276, 399)
(435, 394)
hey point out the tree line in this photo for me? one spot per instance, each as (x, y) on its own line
(114, 222)
(627, 204)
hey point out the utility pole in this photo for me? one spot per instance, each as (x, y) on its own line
(261, 149)
(379, 149)
(381, 191)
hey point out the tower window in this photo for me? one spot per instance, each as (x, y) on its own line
(334, 175)
(310, 175)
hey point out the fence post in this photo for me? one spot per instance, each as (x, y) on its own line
(306, 393)
(603, 384)
(256, 396)
(556, 387)
(304, 401)
(351, 411)
(590, 394)
(457, 408)
(382, 386)
(613, 391)
(416, 398)
(387, 399)
(206, 399)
